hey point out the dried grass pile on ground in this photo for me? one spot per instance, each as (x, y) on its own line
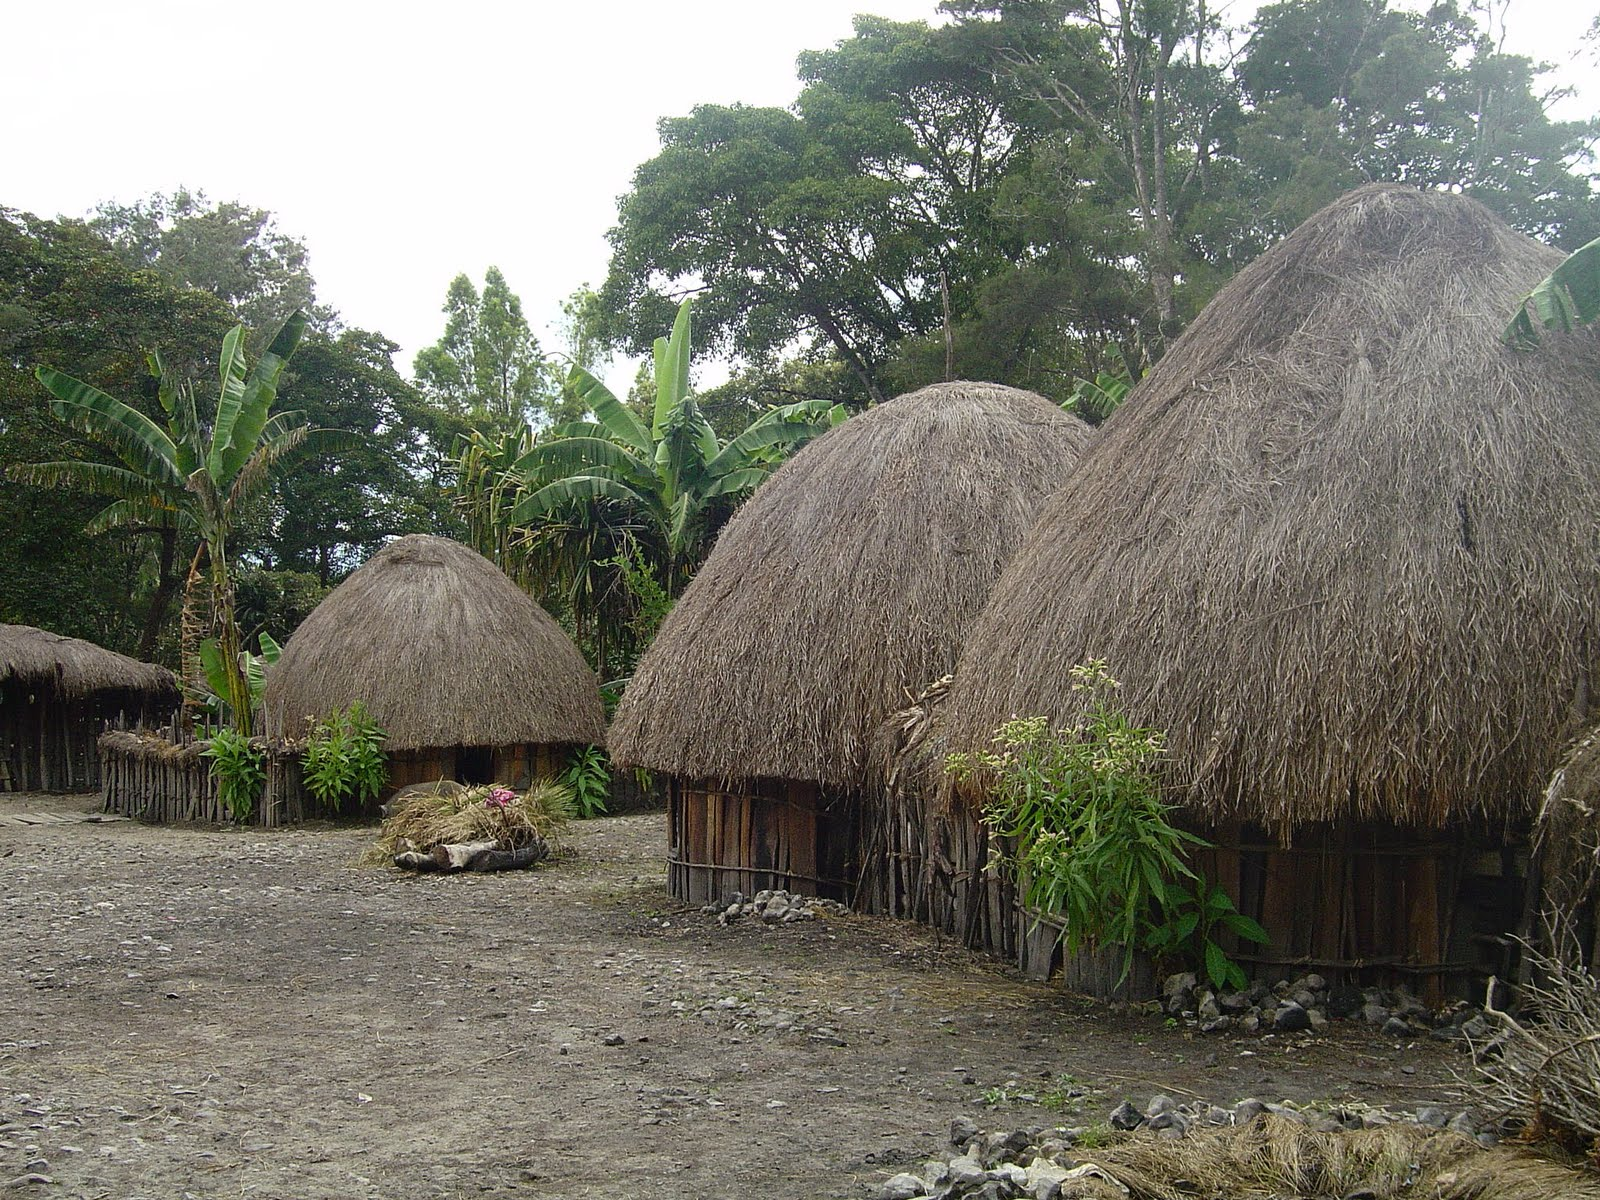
(1276, 1157)
(447, 813)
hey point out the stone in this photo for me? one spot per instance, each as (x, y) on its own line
(1291, 1017)
(1319, 1020)
(1463, 1123)
(1344, 1001)
(1233, 1002)
(966, 1172)
(1220, 1025)
(1250, 1022)
(1316, 983)
(1125, 1116)
(1171, 1119)
(1208, 1008)
(902, 1187)
(1184, 981)
(1475, 1027)
(1043, 1179)
(1430, 1115)
(1396, 1027)
(1159, 1104)
(962, 1131)
(1374, 1014)
(614, 1039)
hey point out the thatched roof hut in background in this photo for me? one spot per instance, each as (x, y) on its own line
(469, 677)
(55, 694)
(1343, 545)
(843, 585)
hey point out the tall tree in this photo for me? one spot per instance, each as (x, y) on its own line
(233, 251)
(67, 298)
(487, 367)
(195, 470)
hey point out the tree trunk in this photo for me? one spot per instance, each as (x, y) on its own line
(161, 599)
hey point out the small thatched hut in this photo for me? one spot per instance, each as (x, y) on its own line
(842, 586)
(1343, 546)
(56, 694)
(470, 678)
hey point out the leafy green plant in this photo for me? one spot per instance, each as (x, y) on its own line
(239, 767)
(1194, 916)
(344, 758)
(252, 666)
(1096, 399)
(1093, 842)
(197, 472)
(588, 778)
(1566, 298)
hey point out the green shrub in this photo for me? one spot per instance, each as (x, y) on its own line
(588, 778)
(239, 767)
(344, 758)
(1094, 844)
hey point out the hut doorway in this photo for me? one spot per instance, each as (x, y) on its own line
(475, 764)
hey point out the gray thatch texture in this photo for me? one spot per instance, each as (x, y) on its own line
(845, 583)
(1342, 544)
(443, 649)
(71, 668)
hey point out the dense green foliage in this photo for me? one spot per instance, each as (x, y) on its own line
(608, 518)
(239, 765)
(92, 300)
(1093, 843)
(344, 759)
(1013, 193)
(487, 367)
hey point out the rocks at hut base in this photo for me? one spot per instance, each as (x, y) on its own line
(772, 906)
(1308, 1003)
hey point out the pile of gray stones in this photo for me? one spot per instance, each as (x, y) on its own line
(772, 906)
(1308, 1003)
(1043, 1163)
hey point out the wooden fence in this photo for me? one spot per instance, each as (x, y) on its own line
(164, 778)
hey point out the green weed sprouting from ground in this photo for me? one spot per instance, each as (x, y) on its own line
(588, 777)
(239, 767)
(344, 758)
(1095, 844)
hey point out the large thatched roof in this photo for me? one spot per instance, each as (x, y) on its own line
(846, 581)
(71, 668)
(1342, 543)
(443, 649)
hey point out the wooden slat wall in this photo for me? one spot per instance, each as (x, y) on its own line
(756, 835)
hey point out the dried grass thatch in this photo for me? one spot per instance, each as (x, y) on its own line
(443, 649)
(1273, 1157)
(1342, 544)
(847, 580)
(70, 668)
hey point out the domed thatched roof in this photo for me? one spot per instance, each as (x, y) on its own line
(443, 650)
(845, 581)
(72, 668)
(1342, 544)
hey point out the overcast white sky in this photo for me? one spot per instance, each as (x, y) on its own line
(407, 142)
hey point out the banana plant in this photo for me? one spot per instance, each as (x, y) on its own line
(198, 475)
(1566, 298)
(664, 475)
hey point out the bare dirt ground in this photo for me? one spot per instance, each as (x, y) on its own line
(225, 1013)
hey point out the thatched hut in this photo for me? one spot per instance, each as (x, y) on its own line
(842, 586)
(1343, 546)
(56, 695)
(469, 677)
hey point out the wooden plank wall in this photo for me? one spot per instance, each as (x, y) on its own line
(755, 835)
(50, 745)
(925, 863)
